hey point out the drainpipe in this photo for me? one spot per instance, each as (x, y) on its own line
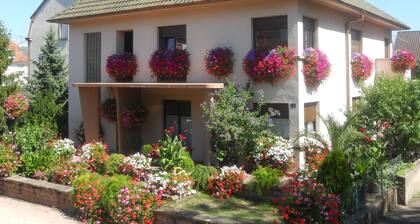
(29, 40)
(348, 29)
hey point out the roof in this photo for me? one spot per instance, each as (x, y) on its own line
(39, 8)
(19, 56)
(408, 41)
(93, 8)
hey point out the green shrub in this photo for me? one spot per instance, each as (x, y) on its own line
(201, 175)
(112, 187)
(173, 153)
(335, 173)
(266, 178)
(186, 162)
(113, 163)
(38, 162)
(8, 160)
(33, 137)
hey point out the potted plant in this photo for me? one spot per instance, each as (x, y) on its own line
(403, 60)
(170, 65)
(361, 67)
(316, 67)
(219, 62)
(122, 67)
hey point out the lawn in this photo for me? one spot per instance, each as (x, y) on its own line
(233, 210)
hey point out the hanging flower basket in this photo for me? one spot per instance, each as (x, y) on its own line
(170, 64)
(109, 110)
(219, 62)
(133, 117)
(15, 106)
(403, 60)
(122, 67)
(316, 67)
(276, 65)
(361, 67)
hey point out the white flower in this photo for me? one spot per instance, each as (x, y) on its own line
(64, 146)
(138, 161)
(280, 153)
(231, 169)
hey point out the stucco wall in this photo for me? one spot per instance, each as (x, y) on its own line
(40, 27)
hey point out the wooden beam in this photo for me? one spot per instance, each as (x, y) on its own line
(90, 103)
(156, 85)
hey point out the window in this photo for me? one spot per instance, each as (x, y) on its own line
(171, 37)
(269, 32)
(387, 47)
(178, 115)
(311, 110)
(280, 118)
(63, 31)
(309, 29)
(93, 57)
(356, 41)
(125, 42)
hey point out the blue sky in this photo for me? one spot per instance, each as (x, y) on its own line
(16, 13)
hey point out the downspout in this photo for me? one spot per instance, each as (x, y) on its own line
(29, 40)
(348, 29)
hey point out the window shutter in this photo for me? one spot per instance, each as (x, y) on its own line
(93, 57)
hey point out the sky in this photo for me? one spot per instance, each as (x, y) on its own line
(16, 14)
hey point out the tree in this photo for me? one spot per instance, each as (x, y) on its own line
(6, 54)
(50, 79)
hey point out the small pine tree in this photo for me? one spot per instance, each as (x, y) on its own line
(50, 78)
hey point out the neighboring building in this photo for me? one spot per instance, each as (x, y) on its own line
(39, 27)
(337, 27)
(19, 64)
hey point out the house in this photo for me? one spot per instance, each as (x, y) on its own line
(409, 41)
(39, 27)
(99, 29)
(19, 64)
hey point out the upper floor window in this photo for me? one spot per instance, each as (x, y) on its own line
(356, 41)
(63, 31)
(125, 42)
(173, 37)
(93, 57)
(269, 32)
(309, 32)
(387, 47)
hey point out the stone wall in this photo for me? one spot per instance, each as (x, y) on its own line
(409, 184)
(39, 192)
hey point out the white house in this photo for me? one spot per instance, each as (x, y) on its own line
(19, 64)
(337, 27)
(39, 27)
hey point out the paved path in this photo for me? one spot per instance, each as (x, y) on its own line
(404, 214)
(13, 211)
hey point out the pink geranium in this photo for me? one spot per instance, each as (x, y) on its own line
(403, 60)
(316, 67)
(219, 62)
(15, 106)
(122, 67)
(361, 67)
(170, 64)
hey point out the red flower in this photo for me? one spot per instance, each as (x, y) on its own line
(169, 131)
(363, 130)
(182, 137)
(385, 125)
(368, 139)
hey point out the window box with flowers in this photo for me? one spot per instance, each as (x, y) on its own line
(270, 67)
(122, 67)
(170, 65)
(403, 60)
(361, 67)
(316, 67)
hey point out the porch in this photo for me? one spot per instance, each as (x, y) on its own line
(168, 104)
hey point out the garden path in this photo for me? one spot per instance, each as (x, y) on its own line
(13, 211)
(404, 214)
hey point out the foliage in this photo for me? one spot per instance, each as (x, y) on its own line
(6, 54)
(112, 187)
(231, 180)
(63, 147)
(135, 166)
(276, 65)
(172, 152)
(335, 173)
(112, 165)
(306, 201)
(95, 154)
(132, 117)
(15, 106)
(316, 67)
(219, 62)
(37, 164)
(50, 80)
(266, 178)
(201, 175)
(361, 67)
(67, 171)
(33, 137)
(403, 60)
(9, 160)
(109, 110)
(388, 114)
(122, 67)
(233, 126)
(273, 151)
(170, 64)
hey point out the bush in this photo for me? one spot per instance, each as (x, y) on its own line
(112, 187)
(135, 166)
(266, 178)
(112, 165)
(37, 164)
(201, 175)
(233, 126)
(9, 160)
(95, 155)
(231, 180)
(66, 172)
(33, 137)
(335, 172)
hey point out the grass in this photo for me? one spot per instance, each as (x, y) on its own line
(233, 210)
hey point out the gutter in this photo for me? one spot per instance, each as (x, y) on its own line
(347, 58)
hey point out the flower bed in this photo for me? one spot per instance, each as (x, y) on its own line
(274, 152)
(219, 62)
(122, 67)
(278, 64)
(170, 64)
(403, 60)
(316, 67)
(361, 67)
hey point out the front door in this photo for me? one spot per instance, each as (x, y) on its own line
(178, 115)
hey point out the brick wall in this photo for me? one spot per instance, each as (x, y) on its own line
(39, 192)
